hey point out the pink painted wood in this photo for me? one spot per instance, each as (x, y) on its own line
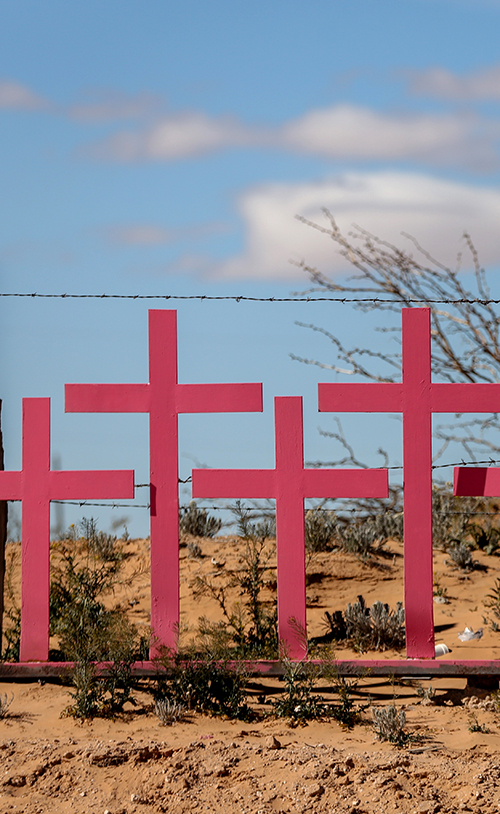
(163, 398)
(289, 483)
(36, 485)
(416, 397)
(472, 481)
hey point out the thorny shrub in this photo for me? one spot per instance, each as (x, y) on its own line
(196, 521)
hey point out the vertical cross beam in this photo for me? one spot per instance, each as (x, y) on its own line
(289, 483)
(416, 397)
(164, 398)
(36, 485)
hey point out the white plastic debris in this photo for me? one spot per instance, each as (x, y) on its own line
(469, 634)
(441, 650)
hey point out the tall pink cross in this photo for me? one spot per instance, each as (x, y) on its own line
(416, 397)
(163, 398)
(36, 485)
(289, 483)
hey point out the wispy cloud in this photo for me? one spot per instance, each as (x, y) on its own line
(15, 96)
(185, 135)
(482, 85)
(435, 212)
(338, 132)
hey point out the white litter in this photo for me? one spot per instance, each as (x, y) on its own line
(469, 634)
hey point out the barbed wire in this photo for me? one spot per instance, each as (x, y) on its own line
(489, 461)
(243, 298)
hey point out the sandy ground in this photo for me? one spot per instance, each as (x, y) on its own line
(50, 763)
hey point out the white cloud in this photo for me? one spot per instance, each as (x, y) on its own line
(15, 96)
(436, 212)
(483, 85)
(348, 131)
(174, 137)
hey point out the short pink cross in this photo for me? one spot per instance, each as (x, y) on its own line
(163, 398)
(289, 483)
(36, 485)
(416, 397)
(476, 480)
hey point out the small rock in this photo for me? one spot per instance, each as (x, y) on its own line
(272, 742)
(315, 790)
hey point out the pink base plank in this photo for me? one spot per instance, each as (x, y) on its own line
(365, 668)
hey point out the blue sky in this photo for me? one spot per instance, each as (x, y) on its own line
(160, 148)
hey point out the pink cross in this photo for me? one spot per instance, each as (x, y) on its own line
(36, 485)
(289, 483)
(416, 397)
(163, 398)
(471, 481)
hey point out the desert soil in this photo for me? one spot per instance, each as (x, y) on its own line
(50, 763)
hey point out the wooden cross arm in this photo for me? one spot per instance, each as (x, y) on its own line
(91, 485)
(472, 481)
(107, 398)
(219, 398)
(465, 398)
(335, 483)
(374, 397)
(10, 486)
(234, 483)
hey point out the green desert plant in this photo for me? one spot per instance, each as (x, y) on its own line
(492, 602)
(169, 711)
(5, 703)
(461, 557)
(363, 538)
(253, 621)
(12, 614)
(485, 537)
(301, 701)
(202, 684)
(320, 528)
(196, 521)
(389, 724)
(375, 628)
(88, 631)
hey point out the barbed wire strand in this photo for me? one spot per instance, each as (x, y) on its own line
(242, 298)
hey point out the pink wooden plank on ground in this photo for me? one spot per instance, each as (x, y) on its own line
(164, 398)
(416, 397)
(36, 485)
(289, 483)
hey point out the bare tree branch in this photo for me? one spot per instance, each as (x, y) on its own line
(465, 335)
